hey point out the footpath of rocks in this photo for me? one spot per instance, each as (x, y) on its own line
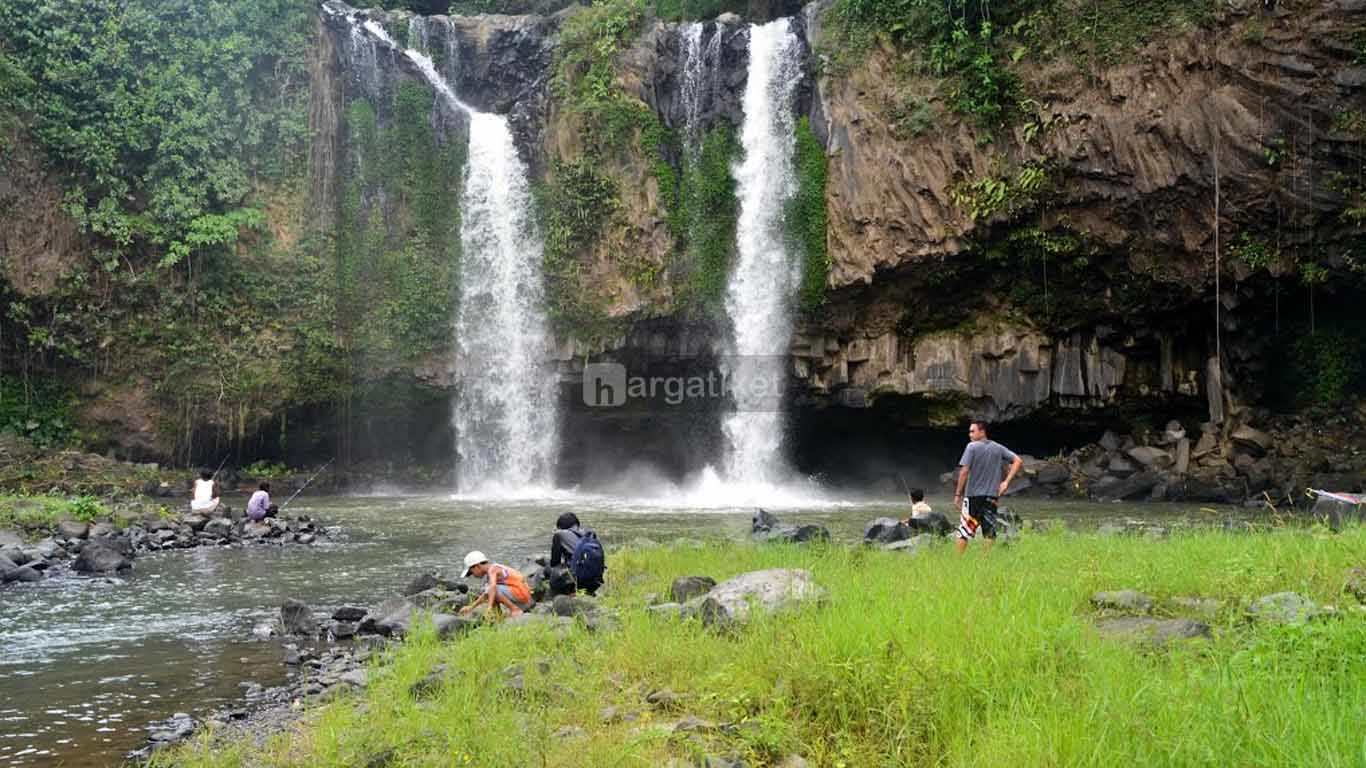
(107, 548)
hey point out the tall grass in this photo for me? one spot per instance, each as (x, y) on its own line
(934, 660)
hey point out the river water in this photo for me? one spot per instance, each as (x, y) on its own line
(85, 663)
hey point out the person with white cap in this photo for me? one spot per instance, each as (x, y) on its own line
(504, 586)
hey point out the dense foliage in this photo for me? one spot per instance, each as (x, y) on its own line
(163, 115)
(806, 216)
(38, 409)
(711, 212)
(172, 128)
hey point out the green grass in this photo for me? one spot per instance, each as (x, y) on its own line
(31, 512)
(44, 512)
(927, 660)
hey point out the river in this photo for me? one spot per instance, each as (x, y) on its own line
(86, 664)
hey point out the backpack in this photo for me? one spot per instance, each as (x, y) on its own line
(588, 562)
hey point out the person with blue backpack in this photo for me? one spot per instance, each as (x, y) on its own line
(579, 554)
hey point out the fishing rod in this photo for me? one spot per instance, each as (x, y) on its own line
(220, 467)
(905, 488)
(909, 500)
(308, 482)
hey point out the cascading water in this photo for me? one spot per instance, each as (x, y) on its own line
(506, 420)
(759, 298)
(699, 63)
(505, 416)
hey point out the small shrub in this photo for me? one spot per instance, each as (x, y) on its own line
(87, 509)
(265, 469)
(1328, 365)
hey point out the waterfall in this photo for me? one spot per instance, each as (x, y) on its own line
(759, 297)
(365, 56)
(505, 413)
(506, 421)
(698, 64)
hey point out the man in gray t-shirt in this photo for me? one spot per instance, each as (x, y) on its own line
(980, 484)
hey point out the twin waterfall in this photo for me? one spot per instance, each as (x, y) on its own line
(505, 418)
(505, 415)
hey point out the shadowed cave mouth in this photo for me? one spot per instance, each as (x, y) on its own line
(875, 449)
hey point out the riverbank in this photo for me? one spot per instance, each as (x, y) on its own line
(919, 659)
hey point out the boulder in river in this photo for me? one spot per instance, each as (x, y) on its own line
(421, 583)
(8, 570)
(767, 527)
(73, 529)
(297, 618)
(1130, 487)
(104, 556)
(885, 530)
(391, 617)
(349, 613)
(218, 528)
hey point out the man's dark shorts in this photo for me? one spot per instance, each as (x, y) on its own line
(978, 512)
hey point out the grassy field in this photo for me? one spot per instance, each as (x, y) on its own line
(927, 660)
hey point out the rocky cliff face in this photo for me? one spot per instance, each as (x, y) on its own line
(1134, 153)
(39, 242)
(1091, 291)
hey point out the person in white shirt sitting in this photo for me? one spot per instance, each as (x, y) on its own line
(205, 493)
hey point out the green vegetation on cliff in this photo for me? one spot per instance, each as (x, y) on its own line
(696, 194)
(711, 212)
(974, 46)
(172, 132)
(584, 81)
(931, 659)
(805, 216)
(208, 296)
(164, 117)
(575, 205)
(38, 409)
(398, 235)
